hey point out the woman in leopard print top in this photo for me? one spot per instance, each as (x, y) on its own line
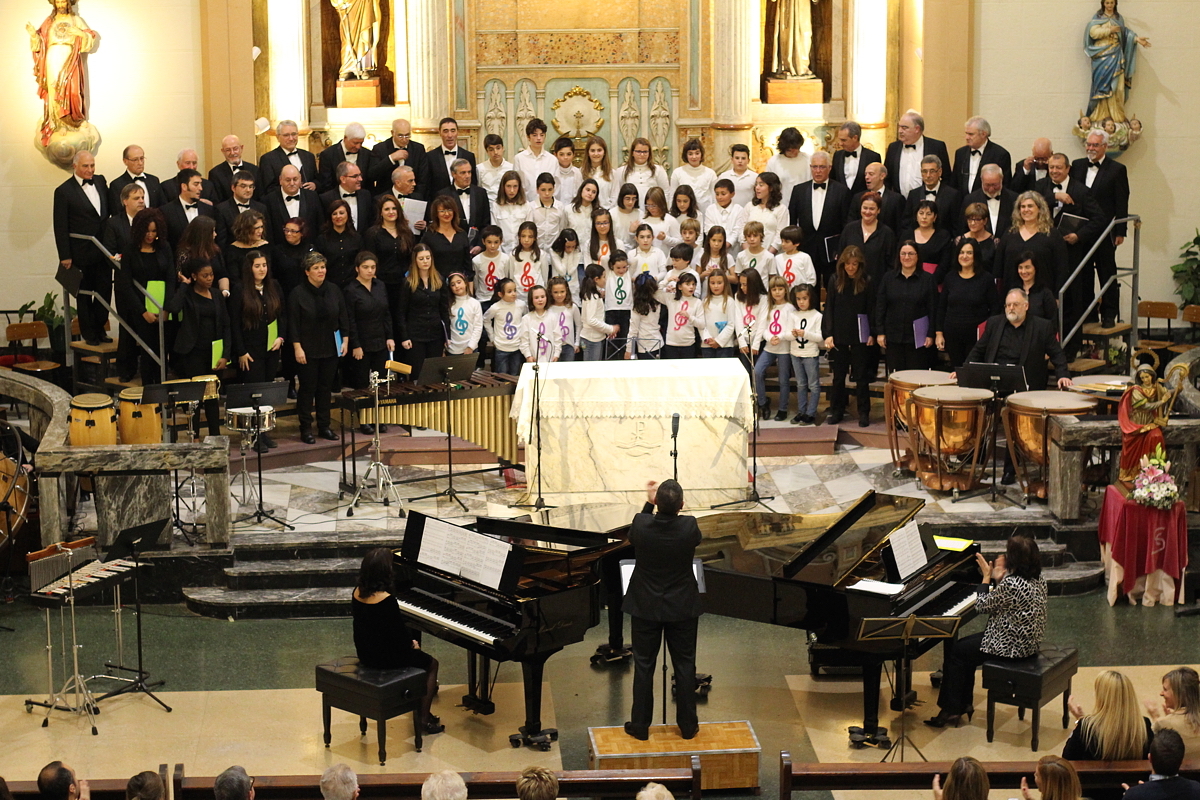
(1013, 594)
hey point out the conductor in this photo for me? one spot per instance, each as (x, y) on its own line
(663, 599)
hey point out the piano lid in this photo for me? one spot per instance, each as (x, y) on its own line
(580, 525)
(816, 548)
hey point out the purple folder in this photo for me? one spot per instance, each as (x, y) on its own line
(920, 330)
(864, 329)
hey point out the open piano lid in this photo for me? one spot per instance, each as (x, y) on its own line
(817, 548)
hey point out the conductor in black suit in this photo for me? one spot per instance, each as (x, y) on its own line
(819, 208)
(903, 158)
(978, 152)
(851, 160)
(1109, 182)
(1166, 756)
(1018, 339)
(81, 206)
(437, 170)
(398, 151)
(663, 599)
(271, 165)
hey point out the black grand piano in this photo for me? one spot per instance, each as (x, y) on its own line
(502, 596)
(804, 571)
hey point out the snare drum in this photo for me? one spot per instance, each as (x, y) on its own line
(212, 385)
(950, 432)
(1025, 415)
(242, 419)
(92, 420)
(900, 386)
(138, 422)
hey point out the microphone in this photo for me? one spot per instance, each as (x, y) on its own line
(675, 424)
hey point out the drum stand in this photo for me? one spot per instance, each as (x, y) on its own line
(248, 493)
(384, 485)
(994, 490)
(260, 512)
(754, 497)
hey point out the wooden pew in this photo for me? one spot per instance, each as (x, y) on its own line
(102, 789)
(683, 782)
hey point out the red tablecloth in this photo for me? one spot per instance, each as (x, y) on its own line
(1144, 539)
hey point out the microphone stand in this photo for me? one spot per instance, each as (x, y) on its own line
(540, 503)
(754, 497)
(675, 447)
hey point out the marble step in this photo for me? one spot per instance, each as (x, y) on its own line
(1054, 554)
(310, 544)
(1077, 577)
(214, 601)
(302, 573)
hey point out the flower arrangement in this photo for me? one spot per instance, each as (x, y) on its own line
(1154, 486)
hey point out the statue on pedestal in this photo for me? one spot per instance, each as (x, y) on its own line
(60, 46)
(1112, 48)
(358, 27)
(1143, 413)
(790, 39)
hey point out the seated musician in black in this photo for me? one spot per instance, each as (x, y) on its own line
(663, 598)
(381, 638)
(1016, 604)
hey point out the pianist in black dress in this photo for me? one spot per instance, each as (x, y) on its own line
(381, 639)
(1013, 593)
(663, 598)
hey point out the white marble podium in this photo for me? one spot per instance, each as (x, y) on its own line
(606, 429)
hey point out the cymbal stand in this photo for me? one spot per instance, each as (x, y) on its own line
(754, 497)
(385, 487)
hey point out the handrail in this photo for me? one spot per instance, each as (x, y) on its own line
(1136, 219)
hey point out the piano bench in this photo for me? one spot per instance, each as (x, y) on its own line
(1030, 683)
(377, 694)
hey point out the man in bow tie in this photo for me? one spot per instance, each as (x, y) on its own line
(473, 207)
(81, 206)
(186, 207)
(440, 159)
(135, 172)
(349, 188)
(349, 150)
(271, 166)
(947, 198)
(851, 160)
(993, 196)
(290, 200)
(1109, 182)
(819, 208)
(222, 175)
(903, 159)
(1078, 216)
(242, 200)
(398, 150)
(978, 152)
(189, 159)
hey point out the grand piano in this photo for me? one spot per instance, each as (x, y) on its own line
(504, 592)
(804, 571)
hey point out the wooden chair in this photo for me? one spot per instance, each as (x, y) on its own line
(19, 332)
(1191, 315)
(1157, 309)
(95, 363)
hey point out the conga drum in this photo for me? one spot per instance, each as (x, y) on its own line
(92, 420)
(138, 422)
(949, 434)
(900, 385)
(1025, 415)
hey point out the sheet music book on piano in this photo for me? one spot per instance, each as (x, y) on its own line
(908, 550)
(457, 551)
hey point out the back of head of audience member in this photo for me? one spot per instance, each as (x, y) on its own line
(444, 785)
(233, 784)
(57, 781)
(654, 791)
(1057, 779)
(1166, 752)
(537, 783)
(966, 780)
(145, 786)
(5, 794)
(339, 783)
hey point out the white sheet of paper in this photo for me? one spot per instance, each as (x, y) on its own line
(908, 549)
(458, 551)
(414, 212)
(878, 587)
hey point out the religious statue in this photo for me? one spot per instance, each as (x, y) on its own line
(60, 46)
(1113, 50)
(358, 26)
(1143, 413)
(791, 39)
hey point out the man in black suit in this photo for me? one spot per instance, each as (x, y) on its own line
(663, 598)
(349, 188)
(851, 160)
(398, 151)
(473, 207)
(978, 152)
(222, 175)
(185, 207)
(350, 150)
(189, 159)
(119, 226)
(81, 206)
(1109, 183)
(291, 200)
(404, 188)
(135, 172)
(991, 194)
(1033, 168)
(903, 159)
(242, 200)
(818, 207)
(946, 197)
(271, 165)
(1166, 756)
(891, 211)
(439, 160)
(1016, 338)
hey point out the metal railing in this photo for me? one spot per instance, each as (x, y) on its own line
(1127, 272)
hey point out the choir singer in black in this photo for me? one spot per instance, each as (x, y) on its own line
(663, 599)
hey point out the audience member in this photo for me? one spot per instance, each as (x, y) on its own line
(1180, 708)
(1166, 755)
(233, 784)
(444, 785)
(537, 783)
(339, 783)
(145, 786)
(1056, 778)
(57, 781)
(966, 780)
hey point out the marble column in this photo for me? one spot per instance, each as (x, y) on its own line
(287, 37)
(429, 46)
(737, 49)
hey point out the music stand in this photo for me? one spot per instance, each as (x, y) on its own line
(755, 498)
(886, 629)
(447, 370)
(1002, 380)
(170, 395)
(130, 544)
(256, 395)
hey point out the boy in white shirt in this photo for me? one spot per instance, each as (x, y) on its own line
(755, 256)
(726, 213)
(546, 212)
(566, 175)
(791, 264)
(535, 160)
(491, 266)
(740, 175)
(489, 172)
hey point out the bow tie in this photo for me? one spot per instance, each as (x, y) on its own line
(351, 195)
(89, 182)
(141, 178)
(1094, 165)
(930, 193)
(974, 152)
(235, 167)
(1058, 187)
(293, 197)
(820, 186)
(910, 147)
(243, 205)
(463, 191)
(852, 154)
(193, 205)
(449, 152)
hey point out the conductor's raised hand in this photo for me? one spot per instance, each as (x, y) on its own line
(1025, 789)
(651, 490)
(937, 786)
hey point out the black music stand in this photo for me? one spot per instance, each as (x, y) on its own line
(540, 503)
(256, 395)
(447, 370)
(754, 497)
(1002, 380)
(886, 629)
(131, 543)
(170, 395)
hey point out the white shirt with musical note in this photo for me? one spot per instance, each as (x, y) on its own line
(541, 338)
(795, 268)
(750, 322)
(527, 270)
(618, 291)
(720, 321)
(503, 322)
(778, 323)
(653, 261)
(685, 317)
(569, 320)
(808, 343)
(466, 325)
(490, 270)
(763, 261)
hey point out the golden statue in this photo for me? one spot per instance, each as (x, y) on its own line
(1143, 413)
(358, 26)
(60, 46)
(790, 39)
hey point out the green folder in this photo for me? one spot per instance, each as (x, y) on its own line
(218, 351)
(272, 333)
(157, 290)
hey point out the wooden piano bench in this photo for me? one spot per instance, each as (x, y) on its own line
(1030, 683)
(377, 694)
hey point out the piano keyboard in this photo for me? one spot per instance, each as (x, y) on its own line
(961, 606)
(94, 575)
(458, 618)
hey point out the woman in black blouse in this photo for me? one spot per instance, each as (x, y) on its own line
(968, 297)
(288, 269)
(381, 639)
(204, 341)
(147, 260)
(391, 241)
(932, 242)
(339, 243)
(1115, 731)
(199, 242)
(447, 240)
(370, 327)
(320, 336)
(849, 298)
(258, 316)
(976, 216)
(906, 295)
(247, 230)
(876, 240)
(1032, 232)
(1016, 605)
(1041, 297)
(426, 309)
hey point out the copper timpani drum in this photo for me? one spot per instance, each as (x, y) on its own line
(900, 385)
(1025, 415)
(92, 420)
(949, 434)
(138, 422)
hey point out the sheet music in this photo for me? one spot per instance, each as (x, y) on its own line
(908, 549)
(461, 552)
(878, 587)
